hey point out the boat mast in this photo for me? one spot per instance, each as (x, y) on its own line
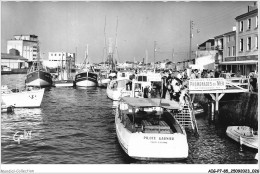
(85, 60)
(115, 49)
(105, 43)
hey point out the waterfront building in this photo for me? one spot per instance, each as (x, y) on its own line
(205, 55)
(26, 46)
(226, 51)
(13, 63)
(207, 45)
(58, 59)
(247, 41)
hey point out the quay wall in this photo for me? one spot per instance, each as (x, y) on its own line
(234, 109)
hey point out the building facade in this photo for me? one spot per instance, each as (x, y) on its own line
(26, 46)
(60, 59)
(247, 41)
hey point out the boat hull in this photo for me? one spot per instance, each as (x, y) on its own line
(25, 99)
(243, 135)
(63, 83)
(6, 109)
(150, 146)
(117, 94)
(103, 83)
(86, 79)
(38, 79)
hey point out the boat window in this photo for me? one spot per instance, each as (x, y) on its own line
(142, 78)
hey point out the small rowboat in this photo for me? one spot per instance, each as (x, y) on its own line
(6, 109)
(244, 135)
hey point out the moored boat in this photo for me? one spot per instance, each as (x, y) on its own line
(5, 108)
(244, 135)
(38, 76)
(103, 79)
(63, 83)
(146, 131)
(64, 75)
(116, 89)
(28, 98)
(86, 77)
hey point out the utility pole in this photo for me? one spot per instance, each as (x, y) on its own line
(154, 53)
(172, 54)
(75, 58)
(191, 27)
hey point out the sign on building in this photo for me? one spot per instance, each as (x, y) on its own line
(207, 84)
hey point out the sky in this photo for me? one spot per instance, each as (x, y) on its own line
(71, 26)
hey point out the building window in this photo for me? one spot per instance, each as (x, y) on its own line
(233, 51)
(249, 24)
(241, 26)
(241, 45)
(229, 51)
(248, 43)
(256, 42)
(228, 38)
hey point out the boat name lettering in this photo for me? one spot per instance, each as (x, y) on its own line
(149, 138)
(166, 138)
(160, 138)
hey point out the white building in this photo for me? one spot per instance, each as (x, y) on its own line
(59, 59)
(12, 61)
(26, 45)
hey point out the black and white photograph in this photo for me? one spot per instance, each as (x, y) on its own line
(129, 87)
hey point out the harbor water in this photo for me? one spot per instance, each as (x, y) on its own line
(76, 126)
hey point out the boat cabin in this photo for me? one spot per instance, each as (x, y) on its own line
(144, 115)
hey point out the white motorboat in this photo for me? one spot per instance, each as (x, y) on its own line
(28, 98)
(244, 135)
(117, 89)
(147, 131)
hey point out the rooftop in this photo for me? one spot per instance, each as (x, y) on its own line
(14, 57)
(247, 14)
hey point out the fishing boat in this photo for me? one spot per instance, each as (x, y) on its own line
(27, 98)
(103, 79)
(64, 78)
(147, 131)
(86, 76)
(244, 135)
(116, 89)
(38, 76)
